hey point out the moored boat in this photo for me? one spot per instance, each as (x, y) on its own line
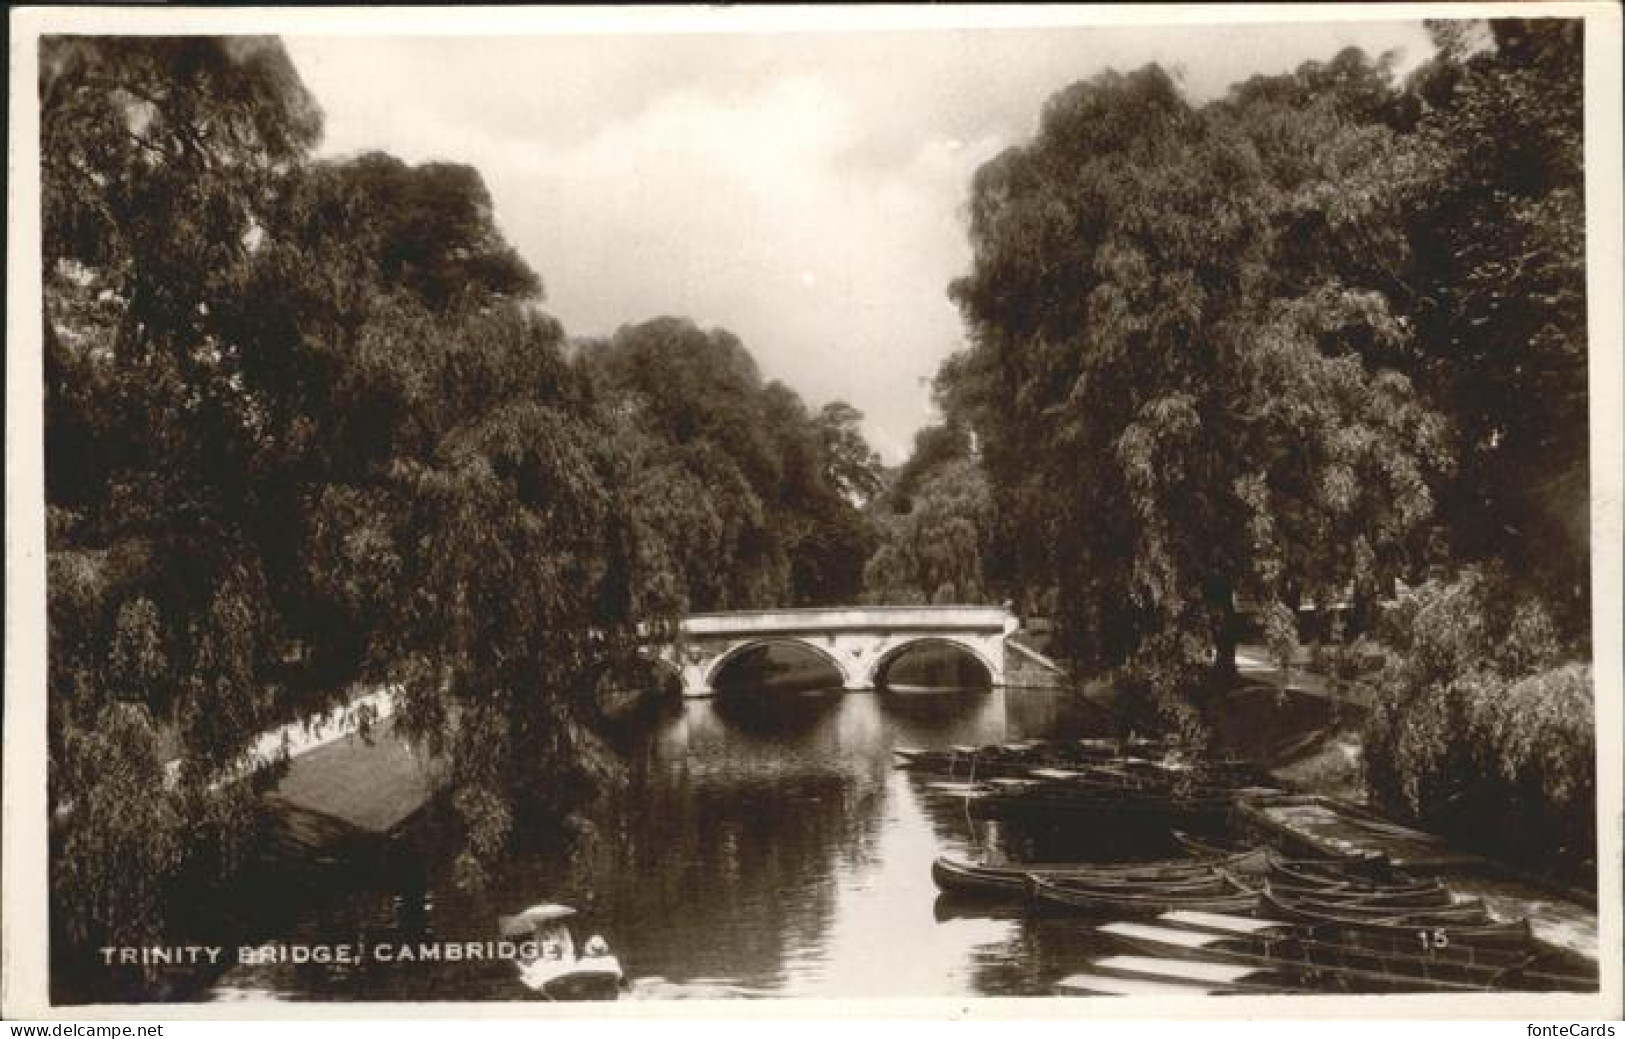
(1010, 879)
(1532, 968)
(1214, 978)
(1349, 967)
(1372, 868)
(1089, 983)
(1404, 930)
(1470, 912)
(1202, 884)
(1110, 901)
(1428, 894)
(1368, 870)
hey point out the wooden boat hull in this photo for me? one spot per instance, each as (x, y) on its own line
(1309, 872)
(1107, 902)
(1470, 913)
(1409, 934)
(1088, 983)
(954, 878)
(1211, 884)
(1425, 896)
(1211, 978)
(1373, 969)
(1312, 964)
(962, 878)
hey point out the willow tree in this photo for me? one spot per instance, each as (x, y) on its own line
(1483, 723)
(934, 525)
(159, 159)
(1181, 387)
(740, 496)
(305, 427)
(1495, 185)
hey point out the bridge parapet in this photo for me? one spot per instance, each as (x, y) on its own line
(853, 618)
(857, 641)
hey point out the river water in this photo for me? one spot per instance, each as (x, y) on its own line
(766, 845)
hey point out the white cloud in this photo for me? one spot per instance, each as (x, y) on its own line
(803, 191)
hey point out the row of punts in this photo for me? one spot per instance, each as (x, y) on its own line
(1257, 921)
(1091, 781)
(1110, 763)
(1194, 953)
(1222, 921)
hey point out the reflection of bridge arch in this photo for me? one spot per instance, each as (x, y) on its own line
(857, 641)
(716, 667)
(877, 670)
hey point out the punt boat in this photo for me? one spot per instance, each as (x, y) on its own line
(1404, 929)
(1427, 895)
(1010, 879)
(1469, 912)
(1313, 964)
(1118, 901)
(1208, 978)
(1088, 983)
(1465, 945)
(1377, 970)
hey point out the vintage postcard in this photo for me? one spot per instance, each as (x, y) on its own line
(1060, 512)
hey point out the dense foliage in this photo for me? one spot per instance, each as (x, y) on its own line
(1484, 723)
(1494, 186)
(308, 431)
(1185, 388)
(1299, 346)
(741, 497)
(934, 525)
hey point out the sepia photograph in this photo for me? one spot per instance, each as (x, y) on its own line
(789, 506)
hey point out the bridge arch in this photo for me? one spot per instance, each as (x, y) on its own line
(715, 668)
(878, 668)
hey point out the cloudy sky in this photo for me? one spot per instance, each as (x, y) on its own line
(805, 191)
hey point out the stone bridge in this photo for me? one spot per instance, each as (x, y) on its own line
(859, 642)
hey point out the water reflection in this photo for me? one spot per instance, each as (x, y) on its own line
(764, 844)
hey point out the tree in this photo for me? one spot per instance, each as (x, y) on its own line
(1481, 728)
(431, 231)
(741, 497)
(851, 466)
(329, 439)
(934, 526)
(1180, 391)
(513, 563)
(1484, 723)
(159, 160)
(1494, 182)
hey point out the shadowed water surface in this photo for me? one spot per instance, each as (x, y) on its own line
(765, 845)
